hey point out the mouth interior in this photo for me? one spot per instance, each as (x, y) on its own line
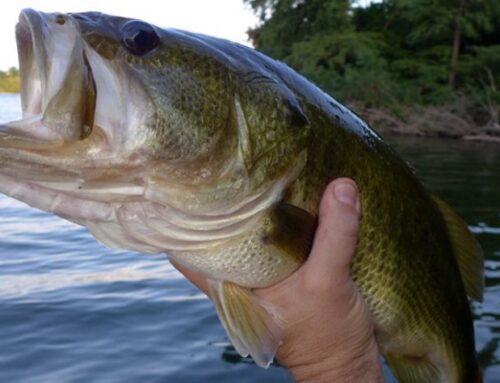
(58, 92)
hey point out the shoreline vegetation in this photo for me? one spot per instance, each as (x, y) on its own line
(10, 81)
(442, 121)
(404, 66)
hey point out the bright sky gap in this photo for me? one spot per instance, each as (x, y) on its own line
(228, 19)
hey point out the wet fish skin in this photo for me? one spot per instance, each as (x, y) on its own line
(218, 155)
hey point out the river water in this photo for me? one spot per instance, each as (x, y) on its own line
(72, 310)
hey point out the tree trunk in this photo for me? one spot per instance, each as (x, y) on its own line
(457, 39)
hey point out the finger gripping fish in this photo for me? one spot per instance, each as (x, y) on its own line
(170, 141)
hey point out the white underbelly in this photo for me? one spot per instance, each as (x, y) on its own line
(246, 261)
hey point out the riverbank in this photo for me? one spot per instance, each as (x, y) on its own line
(428, 121)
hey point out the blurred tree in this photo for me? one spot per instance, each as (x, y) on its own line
(447, 22)
(404, 50)
(318, 38)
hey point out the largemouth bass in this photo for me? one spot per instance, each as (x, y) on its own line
(169, 141)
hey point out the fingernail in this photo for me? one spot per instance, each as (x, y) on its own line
(346, 193)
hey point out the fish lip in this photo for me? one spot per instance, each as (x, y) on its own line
(29, 49)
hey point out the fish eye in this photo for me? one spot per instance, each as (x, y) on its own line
(139, 37)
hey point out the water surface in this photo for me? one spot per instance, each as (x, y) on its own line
(72, 310)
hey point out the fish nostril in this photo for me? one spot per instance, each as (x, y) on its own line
(60, 20)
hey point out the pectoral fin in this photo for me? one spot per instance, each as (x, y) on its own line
(413, 370)
(292, 231)
(252, 328)
(466, 249)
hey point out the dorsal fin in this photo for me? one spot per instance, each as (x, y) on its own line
(467, 251)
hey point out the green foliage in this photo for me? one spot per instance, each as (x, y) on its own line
(9, 81)
(295, 20)
(391, 52)
(434, 20)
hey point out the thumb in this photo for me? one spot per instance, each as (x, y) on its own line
(337, 233)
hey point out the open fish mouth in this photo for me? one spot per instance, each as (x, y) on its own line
(56, 158)
(44, 157)
(58, 91)
(85, 148)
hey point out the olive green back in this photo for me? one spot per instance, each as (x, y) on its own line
(404, 265)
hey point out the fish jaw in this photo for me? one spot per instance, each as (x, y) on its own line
(68, 153)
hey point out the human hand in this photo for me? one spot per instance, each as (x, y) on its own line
(327, 327)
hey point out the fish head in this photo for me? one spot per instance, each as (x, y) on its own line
(125, 123)
(93, 73)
